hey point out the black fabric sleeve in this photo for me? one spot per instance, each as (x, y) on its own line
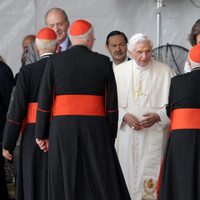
(45, 101)
(17, 112)
(111, 101)
(6, 84)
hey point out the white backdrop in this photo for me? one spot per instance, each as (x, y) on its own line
(21, 17)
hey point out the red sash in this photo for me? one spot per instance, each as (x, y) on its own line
(185, 118)
(91, 105)
(31, 113)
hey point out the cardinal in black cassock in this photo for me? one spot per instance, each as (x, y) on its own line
(32, 170)
(78, 112)
(180, 176)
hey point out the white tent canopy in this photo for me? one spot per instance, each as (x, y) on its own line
(22, 17)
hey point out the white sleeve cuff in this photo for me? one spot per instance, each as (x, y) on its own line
(121, 123)
(164, 119)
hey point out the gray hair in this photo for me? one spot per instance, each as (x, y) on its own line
(45, 44)
(138, 38)
(192, 63)
(55, 9)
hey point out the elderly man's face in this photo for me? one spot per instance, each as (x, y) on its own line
(56, 21)
(142, 53)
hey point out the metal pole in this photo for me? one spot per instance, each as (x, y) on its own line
(159, 5)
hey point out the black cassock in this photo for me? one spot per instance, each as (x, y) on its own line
(180, 177)
(78, 112)
(32, 166)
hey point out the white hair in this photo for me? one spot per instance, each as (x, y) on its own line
(85, 35)
(45, 44)
(193, 64)
(138, 38)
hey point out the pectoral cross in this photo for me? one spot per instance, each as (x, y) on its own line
(138, 93)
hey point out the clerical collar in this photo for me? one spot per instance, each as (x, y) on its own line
(138, 67)
(45, 55)
(195, 68)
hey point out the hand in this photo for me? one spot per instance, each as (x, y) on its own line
(43, 144)
(150, 120)
(132, 121)
(7, 155)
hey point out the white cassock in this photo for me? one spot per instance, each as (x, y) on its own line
(115, 66)
(142, 90)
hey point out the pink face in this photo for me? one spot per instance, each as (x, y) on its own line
(57, 22)
(142, 53)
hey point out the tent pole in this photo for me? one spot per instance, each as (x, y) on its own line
(159, 5)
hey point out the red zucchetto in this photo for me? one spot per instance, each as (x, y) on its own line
(46, 34)
(194, 54)
(79, 27)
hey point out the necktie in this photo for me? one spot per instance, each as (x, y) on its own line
(58, 49)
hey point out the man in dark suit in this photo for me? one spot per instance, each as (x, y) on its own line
(6, 84)
(32, 171)
(57, 20)
(180, 177)
(78, 93)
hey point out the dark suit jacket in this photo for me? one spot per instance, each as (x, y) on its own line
(6, 84)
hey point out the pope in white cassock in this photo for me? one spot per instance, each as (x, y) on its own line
(143, 88)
